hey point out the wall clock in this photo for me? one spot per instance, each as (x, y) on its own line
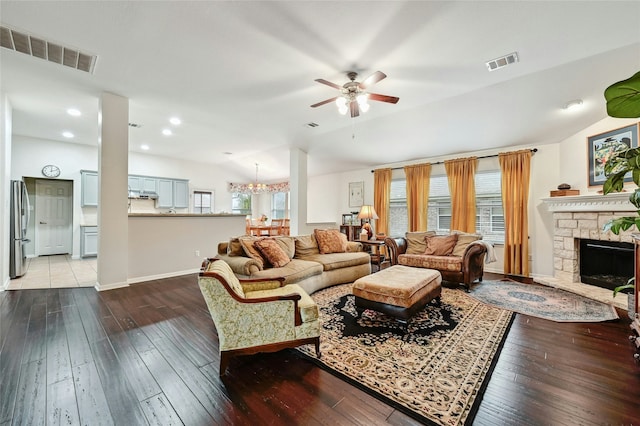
(51, 171)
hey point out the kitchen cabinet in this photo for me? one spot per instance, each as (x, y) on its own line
(172, 193)
(89, 188)
(142, 183)
(165, 194)
(88, 241)
(181, 194)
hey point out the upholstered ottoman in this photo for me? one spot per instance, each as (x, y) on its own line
(399, 291)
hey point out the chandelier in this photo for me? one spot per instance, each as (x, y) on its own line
(257, 188)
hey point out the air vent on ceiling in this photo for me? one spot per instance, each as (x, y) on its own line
(135, 125)
(502, 61)
(50, 51)
(312, 124)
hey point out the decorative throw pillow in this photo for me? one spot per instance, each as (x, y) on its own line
(306, 245)
(287, 244)
(464, 239)
(440, 245)
(330, 241)
(251, 251)
(415, 241)
(272, 252)
(235, 248)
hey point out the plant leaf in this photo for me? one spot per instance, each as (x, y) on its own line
(623, 98)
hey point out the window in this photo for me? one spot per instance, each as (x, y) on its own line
(240, 203)
(398, 220)
(280, 205)
(202, 202)
(489, 213)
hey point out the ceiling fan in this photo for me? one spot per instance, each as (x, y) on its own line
(353, 95)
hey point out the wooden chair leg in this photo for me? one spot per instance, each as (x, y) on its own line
(224, 363)
(317, 345)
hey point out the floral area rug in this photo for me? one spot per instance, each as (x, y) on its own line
(542, 302)
(436, 371)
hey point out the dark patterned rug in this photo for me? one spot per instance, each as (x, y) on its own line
(542, 302)
(436, 371)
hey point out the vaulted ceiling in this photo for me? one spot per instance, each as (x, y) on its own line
(240, 75)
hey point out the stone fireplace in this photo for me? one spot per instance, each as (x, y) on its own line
(582, 217)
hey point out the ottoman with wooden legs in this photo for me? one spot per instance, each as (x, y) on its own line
(399, 291)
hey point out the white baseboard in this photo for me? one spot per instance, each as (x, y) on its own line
(161, 276)
(113, 286)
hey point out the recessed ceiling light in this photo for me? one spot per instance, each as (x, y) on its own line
(175, 121)
(144, 147)
(574, 105)
(167, 132)
(74, 112)
(67, 134)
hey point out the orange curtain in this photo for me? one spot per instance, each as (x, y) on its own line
(381, 198)
(417, 195)
(516, 169)
(460, 174)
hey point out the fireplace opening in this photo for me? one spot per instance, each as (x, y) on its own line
(606, 264)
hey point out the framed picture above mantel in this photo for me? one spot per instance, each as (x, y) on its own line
(603, 146)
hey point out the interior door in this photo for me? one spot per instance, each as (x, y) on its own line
(54, 201)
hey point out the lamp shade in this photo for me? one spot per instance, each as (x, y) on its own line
(367, 212)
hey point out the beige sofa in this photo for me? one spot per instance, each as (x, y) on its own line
(308, 267)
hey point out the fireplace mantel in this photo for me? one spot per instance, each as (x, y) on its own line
(615, 202)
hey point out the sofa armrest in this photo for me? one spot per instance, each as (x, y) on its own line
(395, 247)
(240, 265)
(354, 246)
(258, 284)
(473, 260)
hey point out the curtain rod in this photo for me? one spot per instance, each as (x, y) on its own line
(442, 162)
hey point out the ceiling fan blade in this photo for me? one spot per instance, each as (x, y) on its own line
(324, 102)
(383, 98)
(372, 79)
(355, 109)
(328, 83)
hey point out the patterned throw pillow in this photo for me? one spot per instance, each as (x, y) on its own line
(272, 252)
(464, 239)
(330, 241)
(441, 245)
(415, 241)
(251, 251)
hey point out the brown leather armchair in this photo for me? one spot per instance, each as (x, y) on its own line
(460, 269)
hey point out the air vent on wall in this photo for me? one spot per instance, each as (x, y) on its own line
(502, 61)
(50, 51)
(135, 125)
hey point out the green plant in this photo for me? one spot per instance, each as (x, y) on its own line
(629, 285)
(623, 98)
(615, 169)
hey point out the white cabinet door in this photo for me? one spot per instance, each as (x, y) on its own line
(149, 184)
(134, 183)
(180, 194)
(89, 183)
(165, 194)
(89, 241)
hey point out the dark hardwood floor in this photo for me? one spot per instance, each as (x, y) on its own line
(147, 354)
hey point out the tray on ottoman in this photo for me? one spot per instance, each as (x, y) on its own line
(399, 291)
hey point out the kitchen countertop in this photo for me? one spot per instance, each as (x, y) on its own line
(185, 215)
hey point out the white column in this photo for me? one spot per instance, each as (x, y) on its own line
(5, 192)
(113, 169)
(298, 190)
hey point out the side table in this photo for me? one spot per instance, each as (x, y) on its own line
(377, 258)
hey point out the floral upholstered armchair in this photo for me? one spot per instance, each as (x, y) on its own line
(257, 315)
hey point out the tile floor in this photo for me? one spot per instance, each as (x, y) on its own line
(57, 271)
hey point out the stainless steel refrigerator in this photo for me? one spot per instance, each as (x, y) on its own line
(18, 222)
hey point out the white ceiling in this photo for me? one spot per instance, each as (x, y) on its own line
(241, 75)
